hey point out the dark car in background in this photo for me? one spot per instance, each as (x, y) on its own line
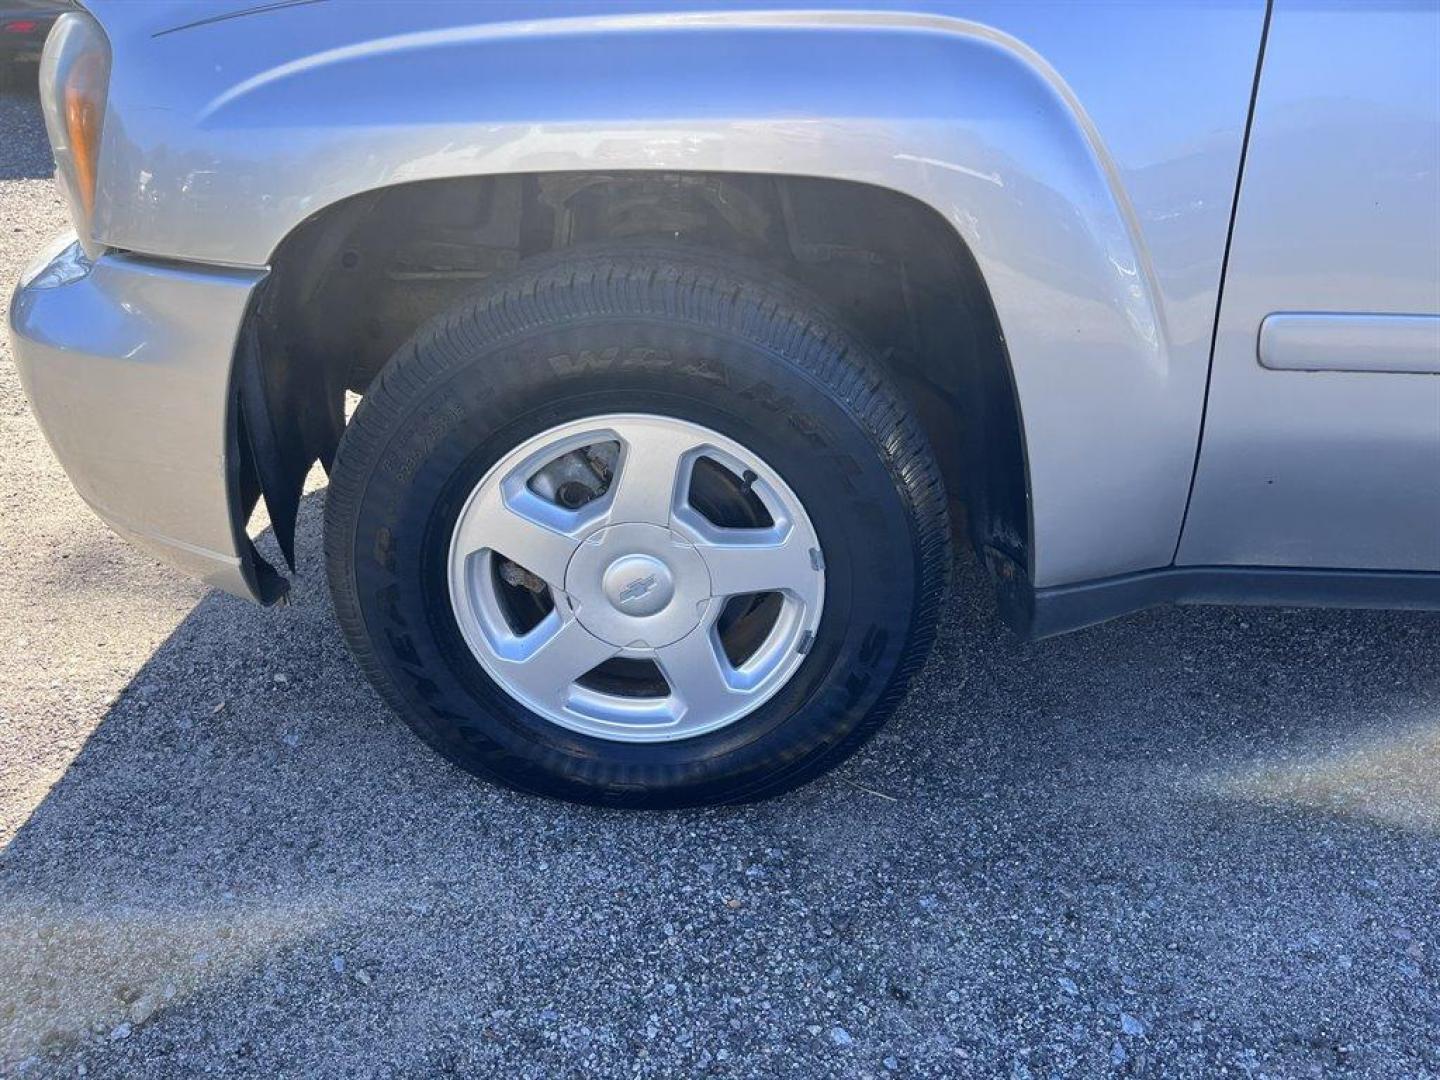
(23, 26)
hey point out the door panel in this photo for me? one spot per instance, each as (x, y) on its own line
(1321, 445)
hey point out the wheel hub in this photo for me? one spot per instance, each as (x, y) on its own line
(637, 585)
(645, 580)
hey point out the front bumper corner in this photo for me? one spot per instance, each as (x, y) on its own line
(127, 363)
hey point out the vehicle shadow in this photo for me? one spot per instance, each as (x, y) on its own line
(1222, 823)
(24, 148)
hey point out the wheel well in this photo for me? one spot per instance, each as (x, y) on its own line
(352, 283)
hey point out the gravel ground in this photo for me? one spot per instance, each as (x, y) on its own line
(1190, 843)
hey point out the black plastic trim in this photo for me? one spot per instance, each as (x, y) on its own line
(280, 490)
(1041, 613)
(243, 490)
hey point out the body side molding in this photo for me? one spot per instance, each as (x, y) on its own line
(1047, 612)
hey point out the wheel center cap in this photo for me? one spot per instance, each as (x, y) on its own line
(638, 584)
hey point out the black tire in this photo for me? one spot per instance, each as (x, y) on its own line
(716, 341)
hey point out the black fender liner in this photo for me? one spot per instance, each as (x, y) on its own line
(287, 415)
(242, 485)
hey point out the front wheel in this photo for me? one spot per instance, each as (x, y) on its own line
(637, 526)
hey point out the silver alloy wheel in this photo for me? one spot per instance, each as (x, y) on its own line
(636, 574)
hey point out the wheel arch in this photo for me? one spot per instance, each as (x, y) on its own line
(979, 129)
(351, 284)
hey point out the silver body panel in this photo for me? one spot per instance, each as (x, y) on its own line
(126, 364)
(1339, 212)
(1086, 153)
(1094, 195)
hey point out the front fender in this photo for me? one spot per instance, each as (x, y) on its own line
(1095, 202)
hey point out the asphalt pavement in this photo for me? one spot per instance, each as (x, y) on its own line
(1197, 843)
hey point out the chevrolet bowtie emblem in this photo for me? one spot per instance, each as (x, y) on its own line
(637, 588)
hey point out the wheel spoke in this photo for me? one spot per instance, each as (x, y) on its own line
(561, 652)
(516, 528)
(741, 562)
(695, 667)
(653, 466)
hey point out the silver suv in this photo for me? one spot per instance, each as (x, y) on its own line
(688, 338)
